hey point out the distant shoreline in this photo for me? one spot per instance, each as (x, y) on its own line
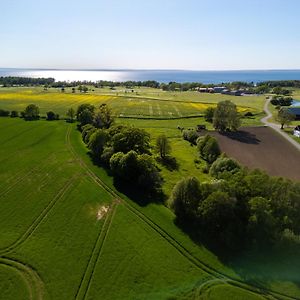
(162, 76)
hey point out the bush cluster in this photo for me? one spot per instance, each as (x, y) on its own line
(241, 208)
(125, 152)
(281, 101)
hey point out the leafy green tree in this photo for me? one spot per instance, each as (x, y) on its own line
(31, 112)
(83, 107)
(262, 224)
(131, 138)
(86, 132)
(14, 114)
(208, 148)
(71, 114)
(185, 198)
(107, 153)
(86, 117)
(277, 90)
(149, 179)
(226, 116)
(97, 142)
(103, 117)
(137, 170)
(209, 114)
(52, 116)
(284, 117)
(217, 215)
(163, 146)
(224, 164)
(190, 135)
(4, 113)
(85, 89)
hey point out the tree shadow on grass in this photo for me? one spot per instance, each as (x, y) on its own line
(257, 266)
(169, 162)
(242, 136)
(139, 195)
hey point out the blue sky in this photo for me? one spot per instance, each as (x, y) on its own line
(155, 34)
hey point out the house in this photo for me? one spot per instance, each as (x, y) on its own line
(219, 89)
(297, 131)
(295, 111)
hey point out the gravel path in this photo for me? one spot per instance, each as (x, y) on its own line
(276, 127)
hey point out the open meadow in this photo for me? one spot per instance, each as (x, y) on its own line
(147, 103)
(67, 234)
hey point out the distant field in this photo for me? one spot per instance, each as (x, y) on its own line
(66, 234)
(262, 148)
(144, 103)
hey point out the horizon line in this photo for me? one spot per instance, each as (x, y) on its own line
(132, 69)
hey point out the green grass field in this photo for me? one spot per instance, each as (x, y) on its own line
(146, 103)
(67, 234)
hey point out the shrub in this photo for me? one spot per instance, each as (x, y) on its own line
(224, 164)
(185, 197)
(52, 116)
(4, 113)
(248, 114)
(131, 138)
(31, 112)
(107, 153)
(97, 142)
(14, 114)
(208, 148)
(190, 135)
(209, 114)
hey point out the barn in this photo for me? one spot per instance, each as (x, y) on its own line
(295, 111)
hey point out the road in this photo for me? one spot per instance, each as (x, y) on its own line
(276, 127)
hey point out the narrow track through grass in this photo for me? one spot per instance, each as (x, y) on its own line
(88, 274)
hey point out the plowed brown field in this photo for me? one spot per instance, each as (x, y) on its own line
(263, 148)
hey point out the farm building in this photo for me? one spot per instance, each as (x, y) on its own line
(232, 93)
(206, 90)
(219, 89)
(297, 131)
(295, 111)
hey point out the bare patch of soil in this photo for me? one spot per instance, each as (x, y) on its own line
(263, 148)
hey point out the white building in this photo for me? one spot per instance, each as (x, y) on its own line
(297, 131)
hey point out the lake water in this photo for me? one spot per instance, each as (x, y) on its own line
(158, 75)
(296, 103)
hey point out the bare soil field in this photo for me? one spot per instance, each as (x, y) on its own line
(263, 148)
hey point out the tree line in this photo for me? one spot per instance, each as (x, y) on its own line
(261, 87)
(124, 151)
(239, 208)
